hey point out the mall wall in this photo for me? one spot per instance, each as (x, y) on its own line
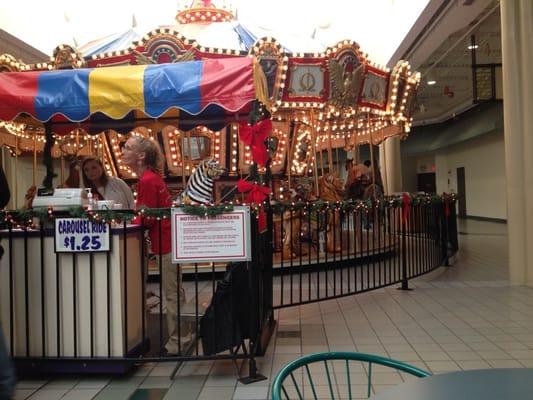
(483, 158)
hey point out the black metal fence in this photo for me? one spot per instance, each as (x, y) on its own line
(100, 312)
(334, 251)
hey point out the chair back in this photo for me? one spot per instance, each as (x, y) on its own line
(309, 376)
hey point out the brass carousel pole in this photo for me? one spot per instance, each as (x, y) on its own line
(337, 160)
(313, 144)
(182, 136)
(190, 152)
(90, 140)
(34, 171)
(15, 202)
(386, 180)
(330, 154)
(371, 146)
(290, 149)
(322, 161)
(318, 155)
(62, 170)
(80, 180)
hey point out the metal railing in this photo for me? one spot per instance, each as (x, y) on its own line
(101, 312)
(89, 312)
(343, 249)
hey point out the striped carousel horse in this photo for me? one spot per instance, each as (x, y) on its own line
(200, 186)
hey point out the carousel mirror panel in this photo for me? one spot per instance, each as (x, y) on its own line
(184, 150)
(301, 154)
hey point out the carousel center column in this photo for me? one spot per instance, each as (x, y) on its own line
(391, 165)
(517, 58)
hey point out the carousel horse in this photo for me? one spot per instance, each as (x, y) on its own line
(200, 186)
(360, 186)
(295, 228)
(331, 189)
(73, 178)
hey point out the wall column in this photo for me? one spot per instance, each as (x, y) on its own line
(517, 59)
(391, 165)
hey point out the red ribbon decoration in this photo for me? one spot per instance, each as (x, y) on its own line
(256, 194)
(254, 136)
(446, 206)
(406, 205)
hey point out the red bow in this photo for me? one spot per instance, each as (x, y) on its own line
(256, 194)
(446, 205)
(406, 204)
(254, 136)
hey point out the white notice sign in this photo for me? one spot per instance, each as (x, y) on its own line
(222, 238)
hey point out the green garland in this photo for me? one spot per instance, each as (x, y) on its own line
(207, 211)
(25, 217)
(348, 205)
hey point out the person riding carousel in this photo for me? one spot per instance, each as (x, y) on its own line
(363, 180)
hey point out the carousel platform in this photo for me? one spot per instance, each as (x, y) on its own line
(351, 247)
(367, 244)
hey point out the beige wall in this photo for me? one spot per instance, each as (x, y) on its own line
(484, 161)
(409, 179)
(414, 165)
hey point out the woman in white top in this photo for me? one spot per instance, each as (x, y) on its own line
(105, 187)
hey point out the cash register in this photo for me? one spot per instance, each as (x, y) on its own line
(63, 198)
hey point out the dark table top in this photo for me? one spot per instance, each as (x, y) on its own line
(487, 384)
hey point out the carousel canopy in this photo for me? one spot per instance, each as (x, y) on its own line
(114, 42)
(116, 91)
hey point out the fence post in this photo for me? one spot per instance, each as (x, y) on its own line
(452, 225)
(405, 281)
(258, 292)
(265, 250)
(444, 232)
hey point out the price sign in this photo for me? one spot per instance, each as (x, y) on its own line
(79, 235)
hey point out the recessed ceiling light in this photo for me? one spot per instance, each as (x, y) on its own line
(472, 47)
(430, 83)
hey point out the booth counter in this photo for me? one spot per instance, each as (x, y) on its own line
(80, 305)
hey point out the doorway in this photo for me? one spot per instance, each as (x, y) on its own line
(426, 182)
(461, 193)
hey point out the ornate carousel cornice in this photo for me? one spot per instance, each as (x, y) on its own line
(269, 51)
(343, 89)
(8, 63)
(204, 14)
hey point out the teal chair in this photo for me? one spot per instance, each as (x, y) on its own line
(301, 375)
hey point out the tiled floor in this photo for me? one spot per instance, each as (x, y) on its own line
(466, 316)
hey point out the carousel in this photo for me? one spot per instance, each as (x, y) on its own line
(278, 126)
(321, 105)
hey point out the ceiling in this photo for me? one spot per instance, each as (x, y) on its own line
(20, 50)
(447, 40)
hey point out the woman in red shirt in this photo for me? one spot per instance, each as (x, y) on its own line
(144, 156)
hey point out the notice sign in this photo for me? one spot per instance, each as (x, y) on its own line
(79, 235)
(224, 237)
